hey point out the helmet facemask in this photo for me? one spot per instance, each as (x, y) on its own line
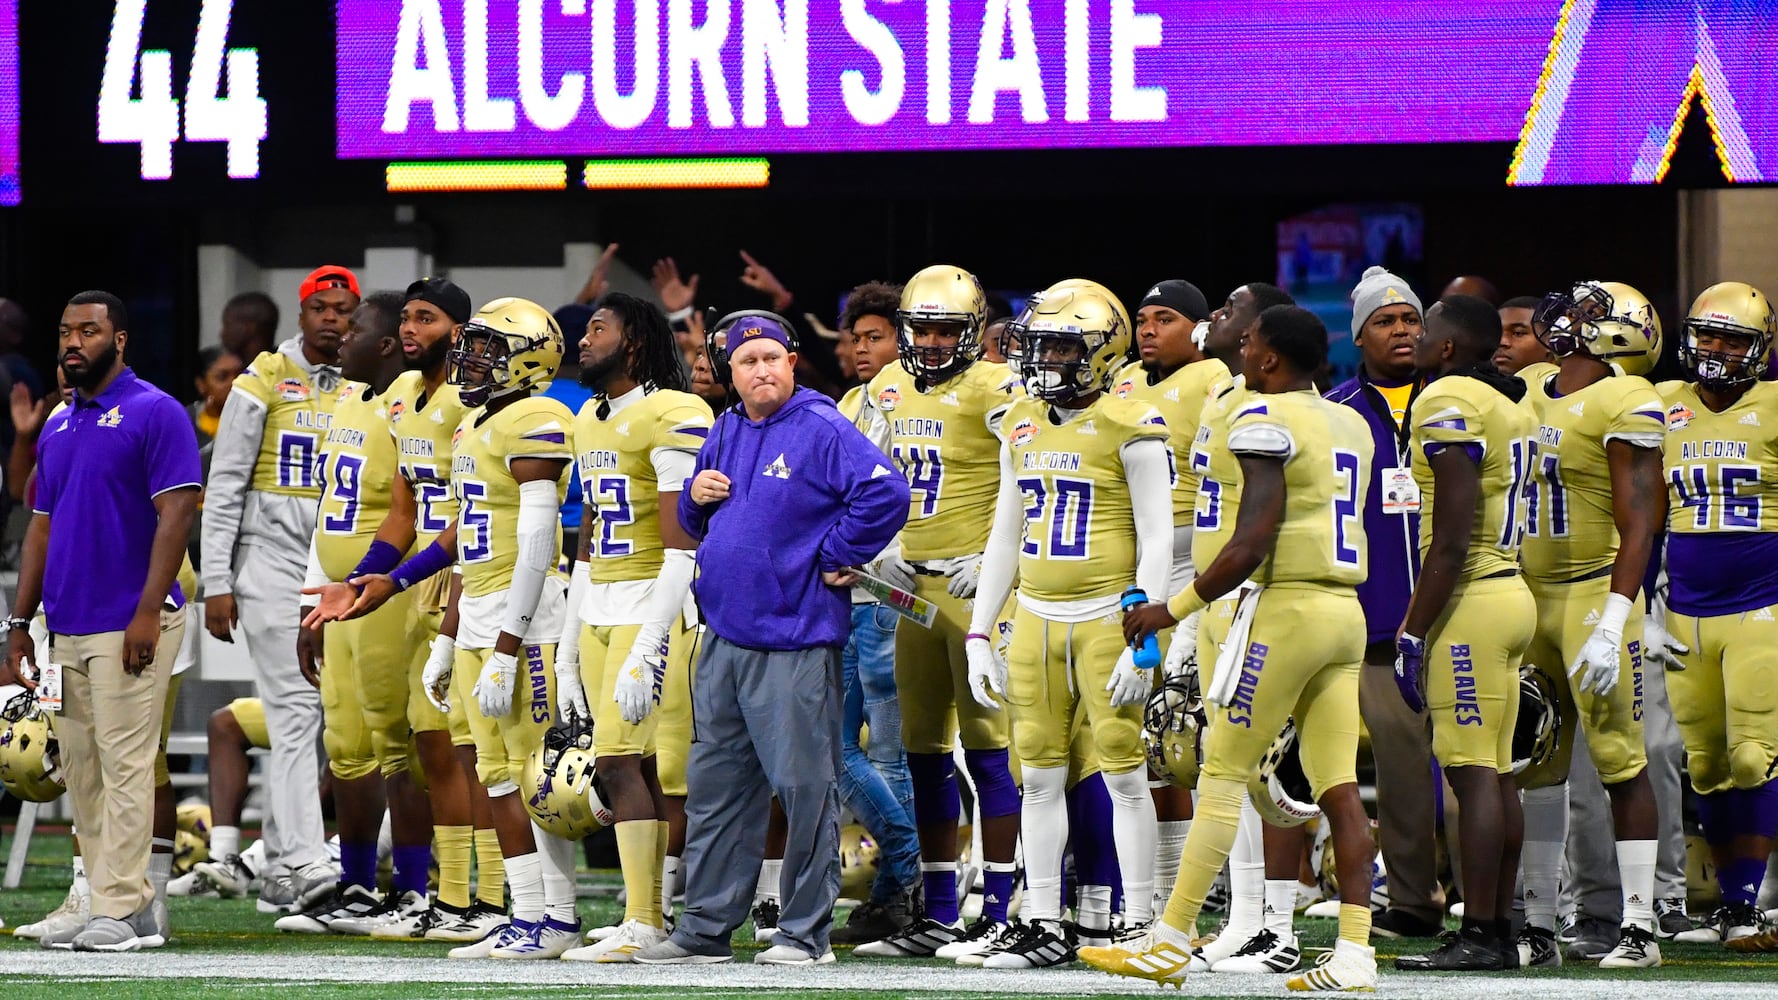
(1737, 357)
(925, 343)
(478, 363)
(1567, 321)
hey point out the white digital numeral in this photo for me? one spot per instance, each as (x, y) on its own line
(239, 118)
(151, 120)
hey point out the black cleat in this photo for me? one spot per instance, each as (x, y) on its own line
(1457, 952)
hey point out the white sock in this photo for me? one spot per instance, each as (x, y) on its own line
(1169, 846)
(1768, 888)
(1636, 870)
(1043, 825)
(1280, 906)
(224, 841)
(1546, 838)
(557, 856)
(1247, 872)
(524, 881)
(1133, 830)
(386, 839)
(81, 886)
(1094, 911)
(771, 880)
(160, 868)
(669, 883)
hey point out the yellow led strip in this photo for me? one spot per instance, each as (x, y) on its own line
(733, 172)
(478, 175)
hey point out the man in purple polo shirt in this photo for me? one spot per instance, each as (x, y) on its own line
(117, 487)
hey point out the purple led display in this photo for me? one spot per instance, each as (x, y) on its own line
(9, 103)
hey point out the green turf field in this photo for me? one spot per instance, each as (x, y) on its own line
(224, 948)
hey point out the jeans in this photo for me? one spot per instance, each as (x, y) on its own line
(874, 784)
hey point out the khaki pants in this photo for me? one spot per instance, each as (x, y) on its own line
(110, 730)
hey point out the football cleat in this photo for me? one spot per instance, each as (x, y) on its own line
(1160, 956)
(1041, 944)
(475, 924)
(1456, 952)
(631, 937)
(1636, 949)
(873, 921)
(919, 941)
(408, 925)
(1538, 949)
(983, 938)
(1725, 924)
(1671, 919)
(547, 938)
(765, 920)
(598, 934)
(1593, 939)
(1348, 968)
(1229, 942)
(65, 920)
(1764, 939)
(482, 947)
(191, 885)
(783, 954)
(314, 882)
(409, 905)
(1263, 953)
(231, 876)
(346, 903)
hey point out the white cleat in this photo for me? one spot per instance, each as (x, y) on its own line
(1265, 953)
(630, 937)
(1636, 949)
(1348, 968)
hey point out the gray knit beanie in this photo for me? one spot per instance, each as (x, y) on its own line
(1379, 288)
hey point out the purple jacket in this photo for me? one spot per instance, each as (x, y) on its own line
(1394, 539)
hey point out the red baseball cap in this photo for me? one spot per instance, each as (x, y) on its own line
(328, 276)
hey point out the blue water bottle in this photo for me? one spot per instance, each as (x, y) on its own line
(1148, 651)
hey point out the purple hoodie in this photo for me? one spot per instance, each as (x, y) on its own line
(808, 493)
(1394, 538)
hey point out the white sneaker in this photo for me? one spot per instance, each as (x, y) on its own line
(983, 937)
(1348, 968)
(1327, 909)
(410, 906)
(314, 881)
(71, 915)
(1264, 953)
(547, 938)
(1457, 909)
(598, 934)
(631, 936)
(783, 954)
(232, 876)
(1306, 896)
(483, 947)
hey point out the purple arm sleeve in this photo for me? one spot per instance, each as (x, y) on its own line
(430, 561)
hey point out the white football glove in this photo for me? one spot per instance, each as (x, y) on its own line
(1182, 651)
(1129, 684)
(436, 678)
(892, 569)
(1596, 668)
(570, 693)
(964, 571)
(634, 690)
(986, 673)
(493, 689)
(1659, 646)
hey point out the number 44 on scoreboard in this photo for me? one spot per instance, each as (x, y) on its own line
(152, 120)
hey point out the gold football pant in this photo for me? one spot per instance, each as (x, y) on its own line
(932, 680)
(1566, 615)
(364, 692)
(1472, 661)
(503, 744)
(1057, 671)
(1726, 698)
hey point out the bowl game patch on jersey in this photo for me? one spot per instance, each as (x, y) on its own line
(889, 398)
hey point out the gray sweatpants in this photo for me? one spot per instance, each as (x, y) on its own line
(1592, 885)
(764, 723)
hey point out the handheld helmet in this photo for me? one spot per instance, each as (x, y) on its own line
(511, 346)
(30, 755)
(858, 862)
(1280, 790)
(1540, 719)
(1173, 725)
(1738, 321)
(562, 790)
(1608, 320)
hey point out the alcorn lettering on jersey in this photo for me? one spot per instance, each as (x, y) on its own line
(1180, 397)
(422, 426)
(615, 459)
(1722, 510)
(945, 441)
(357, 471)
(1218, 472)
(297, 415)
(1466, 413)
(1080, 529)
(1569, 530)
(487, 493)
(1326, 449)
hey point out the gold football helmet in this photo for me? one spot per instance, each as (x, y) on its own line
(1540, 719)
(562, 790)
(1013, 329)
(512, 345)
(947, 297)
(858, 862)
(31, 758)
(1071, 341)
(1738, 322)
(1607, 319)
(1173, 724)
(1280, 790)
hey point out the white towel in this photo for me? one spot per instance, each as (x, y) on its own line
(1228, 661)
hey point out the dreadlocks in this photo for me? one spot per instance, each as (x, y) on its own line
(656, 362)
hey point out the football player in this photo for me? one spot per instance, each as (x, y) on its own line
(509, 468)
(1594, 502)
(1299, 537)
(1082, 513)
(360, 666)
(636, 442)
(260, 514)
(1470, 616)
(1722, 480)
(944, 405)
(1520, 347)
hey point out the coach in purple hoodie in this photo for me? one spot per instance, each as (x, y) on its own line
(788, 495)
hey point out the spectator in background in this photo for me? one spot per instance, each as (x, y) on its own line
(249, 325)
(1471, 284)
(217, 369)
(1519, 346)
(566, 389)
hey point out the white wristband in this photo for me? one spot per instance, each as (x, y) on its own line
(1617, 612)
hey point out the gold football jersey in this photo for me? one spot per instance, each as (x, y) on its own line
(1569, 530)
(297, 416)
(944, 442)
(614, 457)
(1218, 473)
(1722, 468)
(852, 403)
(1457, 411)
(422, 426)
(488, 495)
(1080, 528)
(357, 471)
(1180, 397)
(1326, 449)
